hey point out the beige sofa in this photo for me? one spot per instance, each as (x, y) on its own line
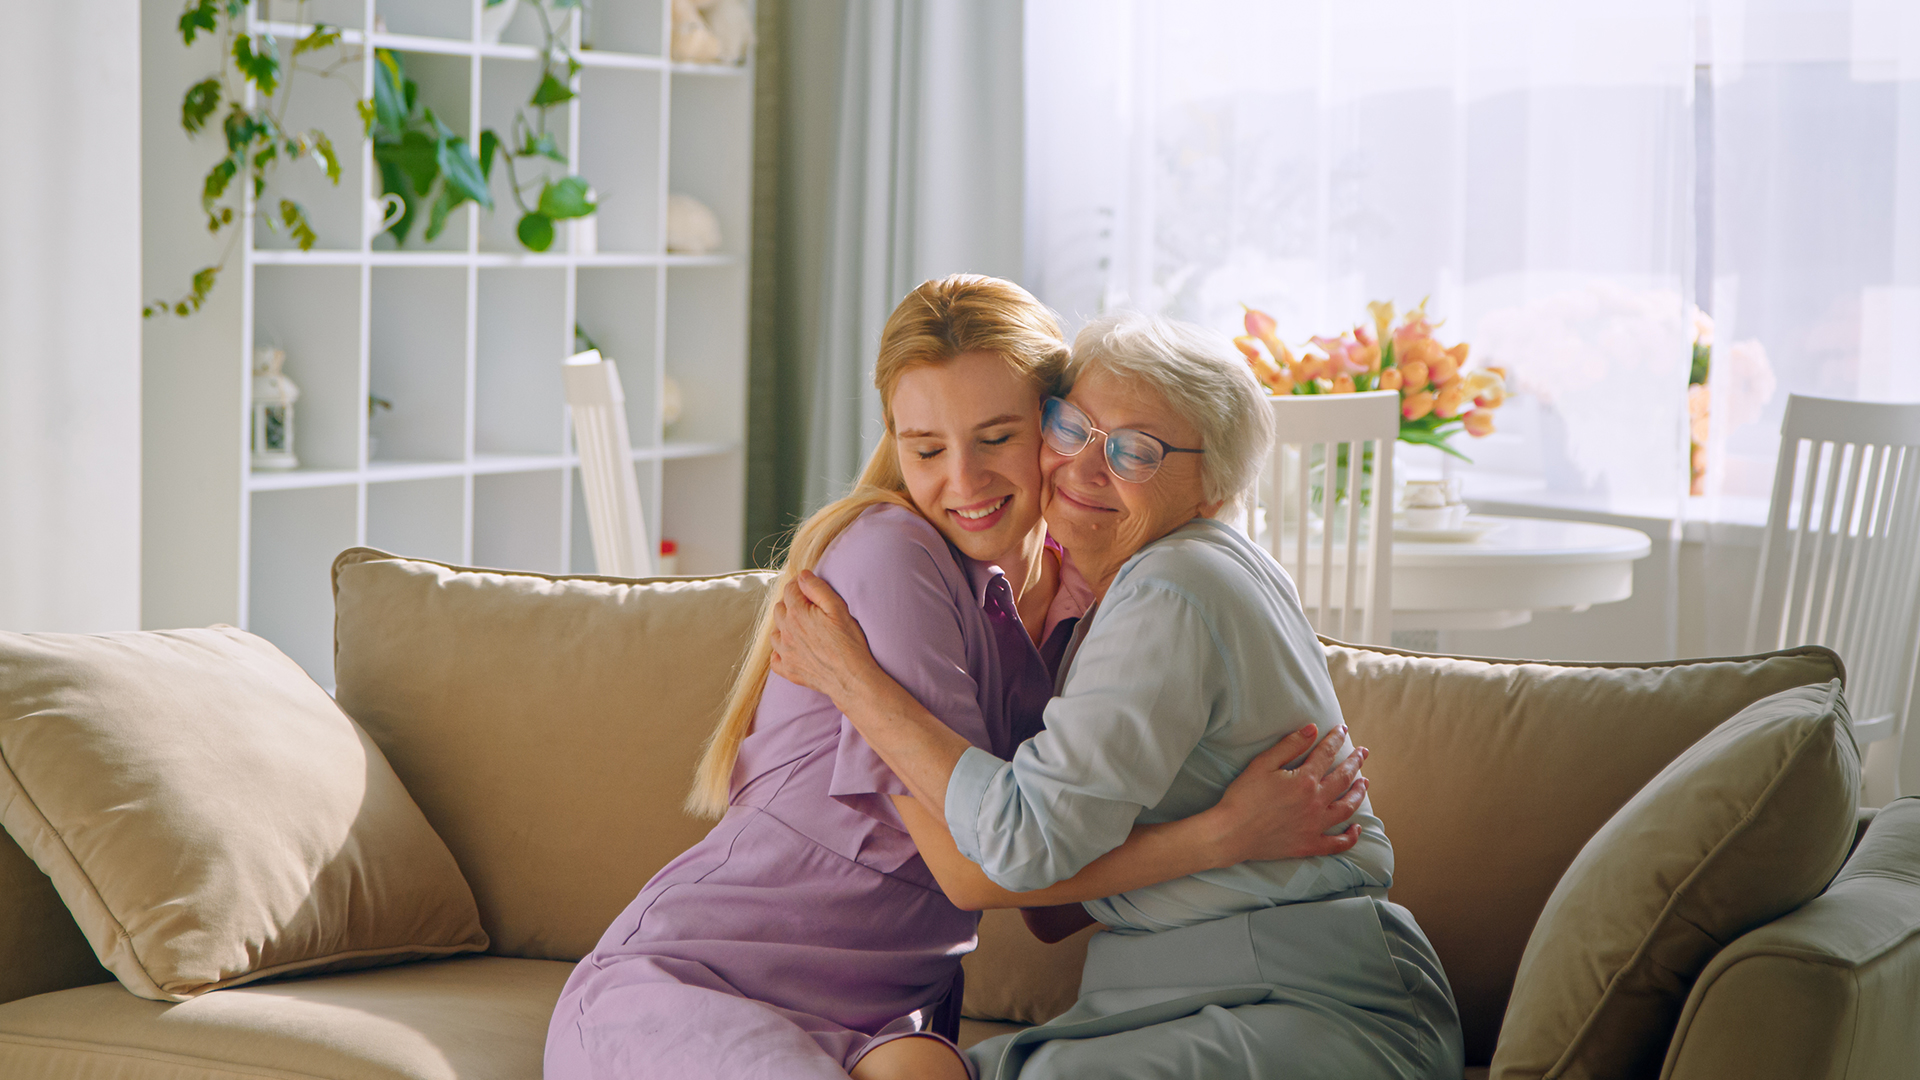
(547, 727)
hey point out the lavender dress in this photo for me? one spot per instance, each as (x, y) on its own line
(805, 929)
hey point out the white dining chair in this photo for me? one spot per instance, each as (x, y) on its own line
(1840, 564)
(620, 547)
(1344, 573)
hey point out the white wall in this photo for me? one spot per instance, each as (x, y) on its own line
(70, 317)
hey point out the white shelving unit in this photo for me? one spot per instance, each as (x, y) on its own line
(465, 336)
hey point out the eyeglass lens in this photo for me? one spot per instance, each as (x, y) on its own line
(1132, 455)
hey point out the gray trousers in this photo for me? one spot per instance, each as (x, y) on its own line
(1338, 989)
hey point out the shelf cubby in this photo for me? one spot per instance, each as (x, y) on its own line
(505, 86)
(312, 313)
(619, 140)
(633, 27)
(326, 104)
(711, 152)
(523, 337)
(706, 343)
(419, 365)
(708, 541)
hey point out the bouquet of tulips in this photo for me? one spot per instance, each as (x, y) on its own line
(1438, 396)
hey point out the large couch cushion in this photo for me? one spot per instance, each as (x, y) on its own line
(1746, 825)
(1492, 774)
(473, 1018)
(547, 725)
(210, 816)
(1014, 977)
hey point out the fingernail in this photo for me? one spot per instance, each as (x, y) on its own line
(1343, 729)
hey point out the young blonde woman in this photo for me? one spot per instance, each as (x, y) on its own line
(805, 937)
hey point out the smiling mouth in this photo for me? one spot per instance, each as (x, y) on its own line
(981, 513)
(1079, 501)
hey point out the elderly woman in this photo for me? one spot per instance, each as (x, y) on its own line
(1196, 658)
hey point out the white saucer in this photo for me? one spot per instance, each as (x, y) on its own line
(1473, 528)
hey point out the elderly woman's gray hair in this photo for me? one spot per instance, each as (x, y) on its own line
(1203, 379)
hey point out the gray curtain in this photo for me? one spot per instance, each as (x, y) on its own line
(889, 150)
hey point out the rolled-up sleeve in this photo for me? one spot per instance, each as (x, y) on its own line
(1142, 692)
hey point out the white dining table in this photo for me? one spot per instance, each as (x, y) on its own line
(1500, 578)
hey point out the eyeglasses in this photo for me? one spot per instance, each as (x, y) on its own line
(1133, 456)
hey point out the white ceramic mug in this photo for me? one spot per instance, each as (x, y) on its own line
(1426, 494)
(383, 211)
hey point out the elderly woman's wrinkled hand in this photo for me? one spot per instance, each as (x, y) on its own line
(817, 643)
(1271, 811)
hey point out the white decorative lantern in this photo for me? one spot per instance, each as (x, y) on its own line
(273, 398)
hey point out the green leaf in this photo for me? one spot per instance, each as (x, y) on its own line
(495, 3)
(551, 91)
(297, 226)
(442, 206)
(545, 146)
(417, 155)
(262, 66)
(489, 145)
(462, 173)
(197, 17)
(367, 115)
(566, 198)
(216, 183)
(199, 104)
(536, 231)
(389, 99)
(266, 156)
(321, 36)
(323, 151)
(566, 3)
(573, 67)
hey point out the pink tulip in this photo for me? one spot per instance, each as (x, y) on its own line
(1415, 406)
(1479, 423)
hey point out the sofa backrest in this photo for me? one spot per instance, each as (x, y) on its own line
(548, 726)
(1491, 775)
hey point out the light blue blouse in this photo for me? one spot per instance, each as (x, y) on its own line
(1198, 658)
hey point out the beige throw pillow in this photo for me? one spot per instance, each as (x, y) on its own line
(1492, 774)
(210, 817)
(1744, 826)
(548, 725)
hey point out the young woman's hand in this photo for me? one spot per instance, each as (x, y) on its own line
(817, 643)
(1273, 812)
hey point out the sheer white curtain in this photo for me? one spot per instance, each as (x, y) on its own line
(926, 182)
(1816, 252)
(1527, 166)
(1816, 204)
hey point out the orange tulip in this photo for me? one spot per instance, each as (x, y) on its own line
(1369, 357)
(1479, 423)
(1459, 353)
(1309, 368)
(1261, 325)
(1451, 400)
(1488, 390)
(1264, 369)
(1282, 384)
(1442, 368)
(1390, 379)
(1415, 406)
(1343, 385)
(1414, 372)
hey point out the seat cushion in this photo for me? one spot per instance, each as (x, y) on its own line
(548, 726)
(472, 1018)
(211, 817)
(1492, 774)
(1748, 824)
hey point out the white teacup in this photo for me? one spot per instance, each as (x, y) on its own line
(382, 212)
(1436, 517)
(1427, 494)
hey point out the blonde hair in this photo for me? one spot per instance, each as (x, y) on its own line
(938, 321)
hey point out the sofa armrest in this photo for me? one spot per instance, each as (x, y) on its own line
(1826, 991)
(41, 949)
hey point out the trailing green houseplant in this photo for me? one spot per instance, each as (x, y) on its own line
(430, 167)
(256, 138)
(423, 162)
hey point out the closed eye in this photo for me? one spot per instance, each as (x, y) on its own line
(928, 455)
(996, 442)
